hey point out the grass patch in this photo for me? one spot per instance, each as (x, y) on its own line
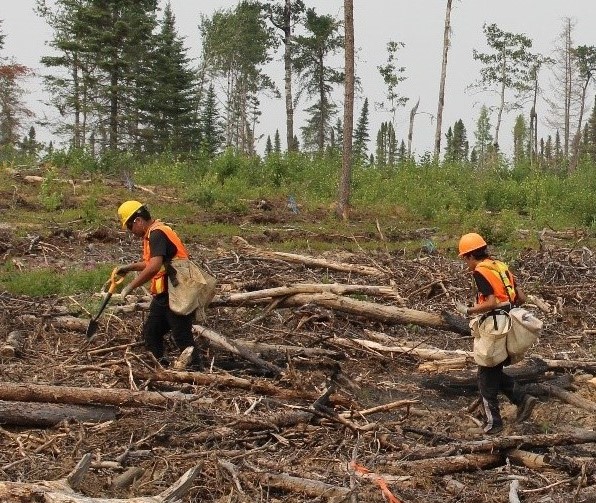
(45, 281)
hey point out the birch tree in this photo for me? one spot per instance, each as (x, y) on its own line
(284, 18)
(586, 61)
(506, 69)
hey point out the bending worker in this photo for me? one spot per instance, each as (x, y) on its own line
(496, 294)
(160, 245)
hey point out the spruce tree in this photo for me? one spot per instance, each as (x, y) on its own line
(483, 136)
(361, 136)
(170, 102)
(277, 144)
(211, 129)
(520, 139)
(311, 53)
(268, 146)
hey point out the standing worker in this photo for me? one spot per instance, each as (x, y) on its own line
(496, 294)
(160, 245)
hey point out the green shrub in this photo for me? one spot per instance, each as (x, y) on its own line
(50, 193)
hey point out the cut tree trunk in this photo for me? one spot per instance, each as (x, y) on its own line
(261, 386)
(285, 291)
(236, 348)
(84, 396)
(445, 465)
(313, 488)
(502, 443)
(306, 260)
(370, 310)
(49, 414)
(15, 342)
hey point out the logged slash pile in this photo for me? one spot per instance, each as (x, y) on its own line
(332, 377)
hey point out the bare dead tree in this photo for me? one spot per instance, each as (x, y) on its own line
(441, 103)
(346, 168)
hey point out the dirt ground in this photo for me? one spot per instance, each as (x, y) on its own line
(233, 434)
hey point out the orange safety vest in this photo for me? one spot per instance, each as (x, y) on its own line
(499, 277)
(159, 281)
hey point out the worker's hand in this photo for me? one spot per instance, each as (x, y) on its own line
(126, 291)
(461, 308)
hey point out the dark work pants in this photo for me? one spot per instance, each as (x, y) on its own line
(491, 381)
(160, 321)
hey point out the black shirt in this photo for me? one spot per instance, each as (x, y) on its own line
(482, 284)
(161, 246)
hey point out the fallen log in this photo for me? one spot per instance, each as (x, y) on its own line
(565, 396)
(306, 260)
(426, 353)
(236, 348)
(500, 444)
(83, 396)
(15, 342)
(71, 323)
(529, 370)
(312, 488)
(307, 288)
(48, 414)
(64, 490)
(444, 465)
(586, 365)
(261, 386)
(285, 350)
(373, 311)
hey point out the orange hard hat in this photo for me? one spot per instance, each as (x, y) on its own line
(470, 242)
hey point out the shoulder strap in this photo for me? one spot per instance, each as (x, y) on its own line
(502, 272)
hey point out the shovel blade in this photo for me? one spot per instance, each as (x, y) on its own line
(91, 329)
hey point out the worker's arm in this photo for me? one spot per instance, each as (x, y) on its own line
(147, 271)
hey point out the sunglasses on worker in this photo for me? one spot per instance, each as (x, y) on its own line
(130, 223)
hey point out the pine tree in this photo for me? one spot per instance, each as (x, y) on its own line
(548, 149)
(361, 136)
(386, 151)
(277, 144)
(268, 147)
(211, 130)
(171, 102)
(483, 136)
(317, 78)
(449, 155)
(520, 139)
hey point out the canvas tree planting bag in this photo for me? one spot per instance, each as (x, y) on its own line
(190, 287)
(525, 329)
(490, 338)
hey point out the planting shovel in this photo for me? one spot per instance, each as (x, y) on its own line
(115, 279)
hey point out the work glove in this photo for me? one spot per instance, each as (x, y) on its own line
(461, 308)
(126, 291)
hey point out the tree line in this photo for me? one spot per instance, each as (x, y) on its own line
(120, 78)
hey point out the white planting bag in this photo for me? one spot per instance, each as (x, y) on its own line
(525, 329)
(490, 338)
(192, 289)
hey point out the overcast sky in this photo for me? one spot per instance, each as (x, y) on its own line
(418, 24)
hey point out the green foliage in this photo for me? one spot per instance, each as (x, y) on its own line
(50, 194)
(43, 282)
(91, 210)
